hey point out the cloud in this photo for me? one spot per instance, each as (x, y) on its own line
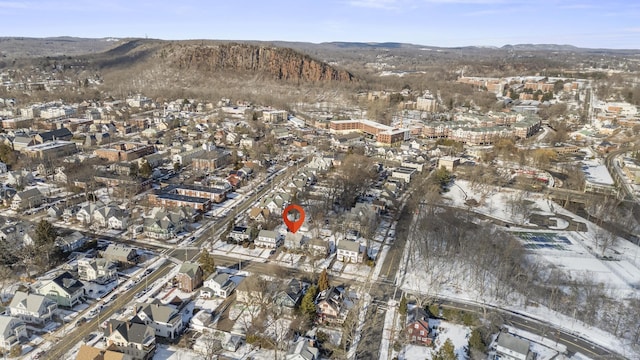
(375, 4)
(578, 6)
(14, 5)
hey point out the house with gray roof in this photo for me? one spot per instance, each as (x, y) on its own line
(218, 284)
(71, 242)
(134, 339)
(289, 298)
(99, 270)
(268, 239)
(350, 251)
(164, 319)
(303, 349)
(64, 289)
(12, 332)
(189, 276)
(31, 308)
(122, 254)
(27, 199)
(509, 347)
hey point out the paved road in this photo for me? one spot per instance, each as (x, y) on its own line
(616, 173)
(573, 342)
(59, 349)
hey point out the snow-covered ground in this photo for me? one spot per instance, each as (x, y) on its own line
(575, 252)
(458, 334)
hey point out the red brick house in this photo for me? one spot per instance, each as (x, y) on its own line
(418, 330)
(189, 277)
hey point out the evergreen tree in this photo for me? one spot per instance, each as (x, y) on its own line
(308, 305)
(447, 352)
(476, 342)
(207, 263)
(7, 155)
(46, 234)
(145, 170)
(403, 306)
(323, 280)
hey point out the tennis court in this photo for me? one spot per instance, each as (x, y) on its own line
(543, 240)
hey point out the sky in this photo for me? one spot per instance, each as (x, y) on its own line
(611, 24)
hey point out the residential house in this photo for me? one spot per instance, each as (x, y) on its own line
(303, 349)
(87, 352)
(240, 233)
(12, 332)
(15, 234)
(276, 203)
(218, 284)
(122, 254)
(267, 238)
(20, 178)
(103, 214)
(64, 289)
(99, 270)
(289, 298)
(27, 199)
(509, 347)
(32, 308)
(318, 247)
(163, 224)
(55, 212)
(418, 330)
(201, 321)
(86, 212)
(118, 219)
(164, 319)
(259, 214)
(3, 167)
(71, 242)
(320, 164)
(350, 251)
(69, 213)
(331, 306)
(133, 339)
(189, 277)
(293, 240)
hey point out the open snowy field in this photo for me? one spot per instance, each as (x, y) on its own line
(574, 252)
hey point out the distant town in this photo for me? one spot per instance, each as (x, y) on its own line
(152, 228)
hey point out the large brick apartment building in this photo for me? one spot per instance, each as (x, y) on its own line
(125, 151)
(211, 160)
(384, 135)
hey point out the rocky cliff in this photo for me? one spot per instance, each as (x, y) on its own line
(281, 63)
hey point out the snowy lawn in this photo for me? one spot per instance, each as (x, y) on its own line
(458, 334)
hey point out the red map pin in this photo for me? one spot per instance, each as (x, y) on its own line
(293, 225)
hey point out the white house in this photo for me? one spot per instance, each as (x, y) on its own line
(27, 199)
(510, 347)
(303, 349)
(218, 284)
(64, 289)
(71, 242)
(164, 319)
(32, 308)
(268, 239)
(12, 332)
(349, 251)
(99, 270)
